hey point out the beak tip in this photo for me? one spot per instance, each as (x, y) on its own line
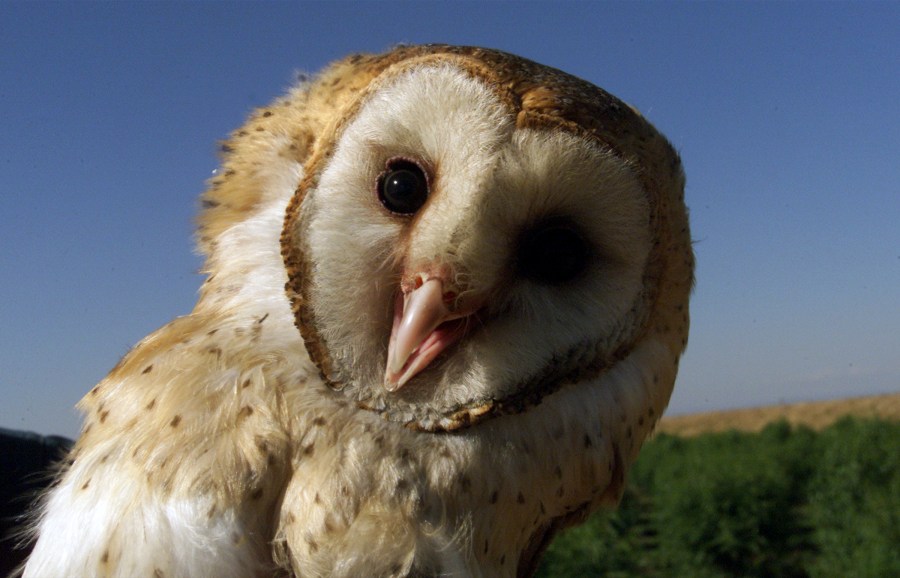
(393, 381)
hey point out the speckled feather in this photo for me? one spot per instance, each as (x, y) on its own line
(226, 444)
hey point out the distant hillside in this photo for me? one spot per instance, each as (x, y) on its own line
(816, 415)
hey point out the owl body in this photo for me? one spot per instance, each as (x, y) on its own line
(446, 296)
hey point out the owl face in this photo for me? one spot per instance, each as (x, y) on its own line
(455, 255)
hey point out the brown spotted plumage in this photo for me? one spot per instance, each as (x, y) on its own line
(447, 293)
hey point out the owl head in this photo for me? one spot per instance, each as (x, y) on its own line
(475, 231)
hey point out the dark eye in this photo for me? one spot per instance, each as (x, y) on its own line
(552, 252)
(403, 188)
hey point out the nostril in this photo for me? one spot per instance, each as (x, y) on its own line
(413, 278)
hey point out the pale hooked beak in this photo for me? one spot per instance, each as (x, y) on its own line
(424, 326)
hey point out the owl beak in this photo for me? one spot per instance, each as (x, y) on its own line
(423, 327)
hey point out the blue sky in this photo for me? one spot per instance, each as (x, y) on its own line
(787, 117)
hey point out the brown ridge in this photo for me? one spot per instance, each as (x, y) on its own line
(816, 415)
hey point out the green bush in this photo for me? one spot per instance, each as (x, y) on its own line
(729, 508)
(782, 503)
(855, 501)
(615, 544)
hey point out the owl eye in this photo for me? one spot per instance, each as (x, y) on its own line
(552, 252)
(403, 187)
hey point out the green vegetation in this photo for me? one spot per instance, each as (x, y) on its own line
(787, 502)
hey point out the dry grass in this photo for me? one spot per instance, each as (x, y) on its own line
(816, 415)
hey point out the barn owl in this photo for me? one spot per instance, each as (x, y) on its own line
(447, 293)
